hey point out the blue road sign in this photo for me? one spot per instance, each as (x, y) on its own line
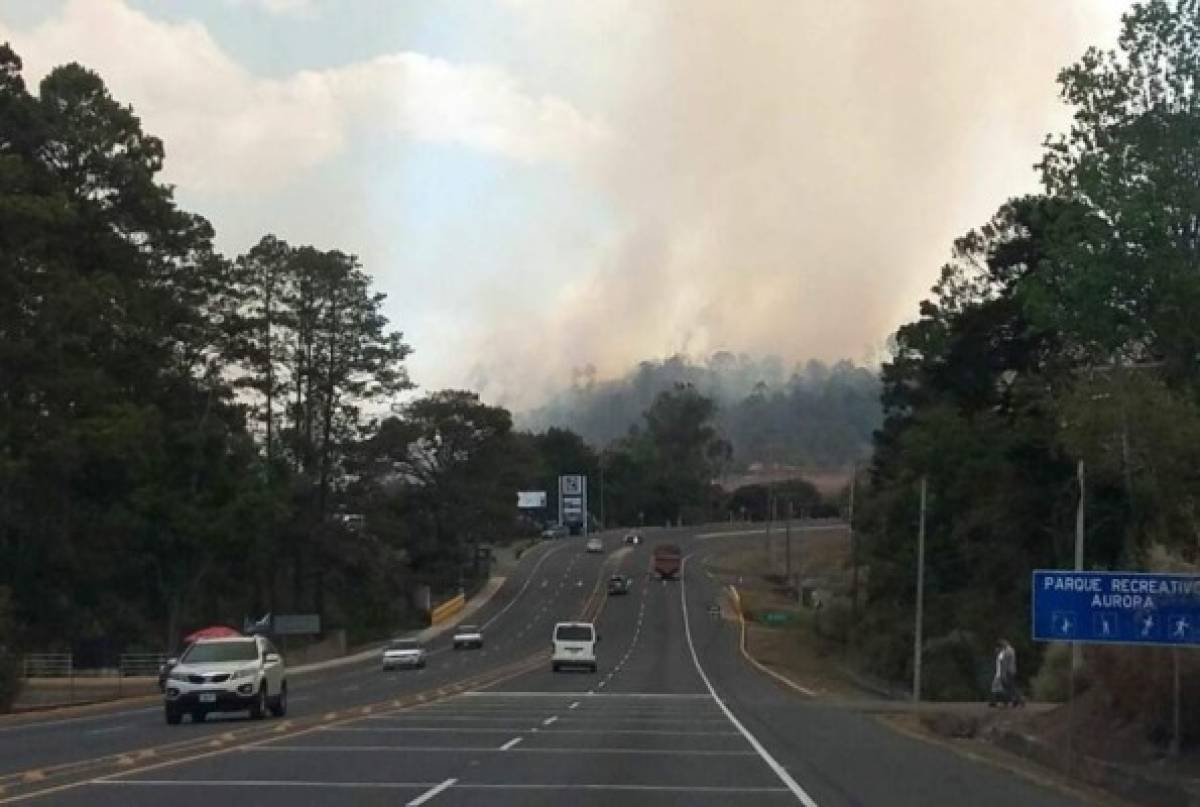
(1116, 607)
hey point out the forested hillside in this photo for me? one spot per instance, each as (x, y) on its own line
(811, 415)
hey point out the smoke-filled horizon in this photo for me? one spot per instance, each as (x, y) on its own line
(811, 414)
(782, 182)
(540, 185)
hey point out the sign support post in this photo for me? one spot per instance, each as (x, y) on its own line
(1076, 658)
(1176, 734)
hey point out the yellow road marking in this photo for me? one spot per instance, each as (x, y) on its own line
(502, 674)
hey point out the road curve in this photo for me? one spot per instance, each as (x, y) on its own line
(674, 715)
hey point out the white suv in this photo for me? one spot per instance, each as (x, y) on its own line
(574, 645)
(403, 653)
(227, 675)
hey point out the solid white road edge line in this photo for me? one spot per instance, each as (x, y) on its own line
(772, 763)
(429, 794)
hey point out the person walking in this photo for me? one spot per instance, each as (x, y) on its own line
(997, 690)
(1008, 667)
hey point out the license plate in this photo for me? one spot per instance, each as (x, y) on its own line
(208, 697)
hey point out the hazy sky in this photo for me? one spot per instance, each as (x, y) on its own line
(542, 184)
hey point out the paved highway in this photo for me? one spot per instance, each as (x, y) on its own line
(674, 716)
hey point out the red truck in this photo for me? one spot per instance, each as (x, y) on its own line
(666, 561)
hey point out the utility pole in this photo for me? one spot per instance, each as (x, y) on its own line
(853, 551)
(788, 551)
(770, 523)
(916, 693)
(603, 521)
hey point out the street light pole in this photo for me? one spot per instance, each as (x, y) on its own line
(917, 638)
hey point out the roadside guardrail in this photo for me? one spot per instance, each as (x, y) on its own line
(141, 665)
(48, 665)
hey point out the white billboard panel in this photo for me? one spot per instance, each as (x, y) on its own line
(531, 499)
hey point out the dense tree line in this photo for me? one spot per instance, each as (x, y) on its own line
(1063, 329)
(187, 438)
(814, 415)
(174, 426)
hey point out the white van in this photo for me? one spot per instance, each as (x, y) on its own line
(574, 645)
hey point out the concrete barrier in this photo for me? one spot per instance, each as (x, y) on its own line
(447, 610)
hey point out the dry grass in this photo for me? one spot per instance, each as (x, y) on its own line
(794, 649)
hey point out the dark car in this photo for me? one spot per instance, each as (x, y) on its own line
(633, 539)
(620, 584)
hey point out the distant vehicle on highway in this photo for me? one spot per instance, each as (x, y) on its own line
(666, 561)
(633, 539)
(594, 545)
(403, 653)
(556, 531)
(226, 675)
(574, 645)
(466, 636)
(620, 584)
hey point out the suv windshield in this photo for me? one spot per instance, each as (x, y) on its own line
(210, 652)
(573, 633)
(468, 629)
(404, 644)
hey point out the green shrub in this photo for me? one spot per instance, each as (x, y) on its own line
(832, 620)
(1052, 683)
(952, 668)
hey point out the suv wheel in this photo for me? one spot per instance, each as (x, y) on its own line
(554, 666)
(259, 707)
(174, 716)
(279, 702)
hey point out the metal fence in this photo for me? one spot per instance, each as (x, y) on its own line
(135, 665)
(49, 665)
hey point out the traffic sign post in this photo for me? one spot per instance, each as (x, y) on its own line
(572, 500)
(1132, 608)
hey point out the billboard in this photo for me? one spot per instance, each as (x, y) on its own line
(531, 499)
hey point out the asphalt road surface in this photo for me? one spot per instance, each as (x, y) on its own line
(673, 716)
